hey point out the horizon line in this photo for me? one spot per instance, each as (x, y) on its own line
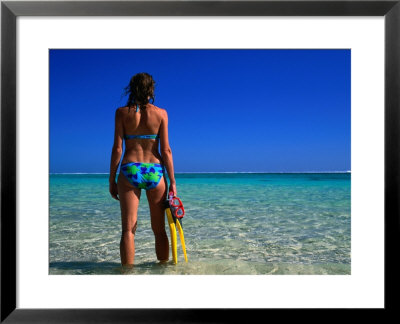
(264, 172)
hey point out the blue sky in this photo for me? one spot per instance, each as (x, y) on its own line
(229, 110)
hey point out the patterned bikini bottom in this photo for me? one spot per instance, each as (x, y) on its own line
(143, 175)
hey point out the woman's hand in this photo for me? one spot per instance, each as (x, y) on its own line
(114, 190)
(172, 188)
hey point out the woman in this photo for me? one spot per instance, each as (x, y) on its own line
(143, 126)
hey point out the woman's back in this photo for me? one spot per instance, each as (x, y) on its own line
(145, 121)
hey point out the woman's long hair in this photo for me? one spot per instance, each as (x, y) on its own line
(140, 88)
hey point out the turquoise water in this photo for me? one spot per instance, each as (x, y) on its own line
(235, 223)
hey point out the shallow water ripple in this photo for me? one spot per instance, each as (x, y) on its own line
(234, 224)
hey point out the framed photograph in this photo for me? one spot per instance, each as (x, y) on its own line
(283, 123)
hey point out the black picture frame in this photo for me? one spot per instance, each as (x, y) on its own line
(10, 10)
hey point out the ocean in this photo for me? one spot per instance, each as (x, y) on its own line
(235, 223)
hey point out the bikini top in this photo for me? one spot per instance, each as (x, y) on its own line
(155, 136)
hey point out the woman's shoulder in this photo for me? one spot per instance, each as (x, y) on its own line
(159, 110)
(155, 107)
(121, 110)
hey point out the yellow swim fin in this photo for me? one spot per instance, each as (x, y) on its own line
(182, 237)
(172, 230)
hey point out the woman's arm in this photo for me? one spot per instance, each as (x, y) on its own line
(166, 152)
(117, 147)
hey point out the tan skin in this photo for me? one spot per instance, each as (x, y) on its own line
(151, 120)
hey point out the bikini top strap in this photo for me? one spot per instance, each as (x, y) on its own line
(152, 136)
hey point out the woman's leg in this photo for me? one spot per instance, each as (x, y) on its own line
(156, 198)
(129, 197)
